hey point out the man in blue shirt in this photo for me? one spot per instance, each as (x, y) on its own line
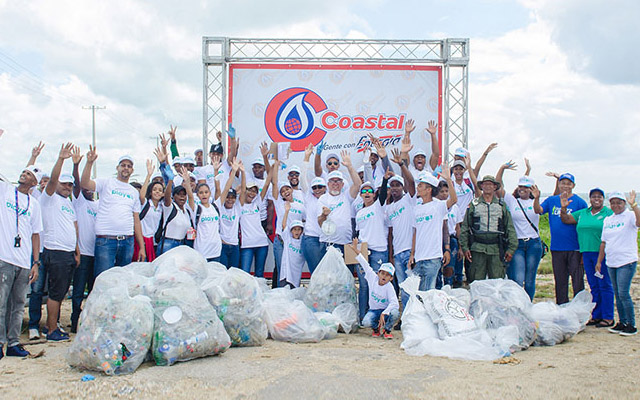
(565, 251)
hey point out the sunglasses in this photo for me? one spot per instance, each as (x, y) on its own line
(363, 191)
(316, 187)
(332, 163)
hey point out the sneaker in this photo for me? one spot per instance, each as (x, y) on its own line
(17, 351)
(375, 334)
(57, 336)
(61, 329)
(388, 335)
(34, 334)
(617, 329)
(629, 330)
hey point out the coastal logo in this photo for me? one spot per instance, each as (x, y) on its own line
(300, 116)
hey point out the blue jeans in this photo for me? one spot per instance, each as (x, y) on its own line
(313, 251)
(214, 259)
(376, 258)
(82, 276)
(621, 280)
(167, 244)
(230, 255)
(372, 318)
(454, 263)
(278, 248)
(246, 258)
(401, 261)
(523, 267)
(427, 270)
(601, 288)
(111, 253)
(35, 299)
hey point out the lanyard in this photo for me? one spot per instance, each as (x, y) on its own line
(19, 213)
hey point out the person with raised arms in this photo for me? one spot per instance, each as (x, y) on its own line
(565, 248)
(589, 223)
(61, 253)
(419, 162)
(334, 207)
(38, 188)
(259, 166)
(20, 217)
(206, 220)
(453, 272)
(207, 174)
(151, 195)
(230, 211)
(312, 249)
(399, 213)
(86, 208)
(620, 246)
(254, 244)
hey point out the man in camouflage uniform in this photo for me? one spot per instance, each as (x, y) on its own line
(488, 238)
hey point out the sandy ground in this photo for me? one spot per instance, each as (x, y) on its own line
(594, 364)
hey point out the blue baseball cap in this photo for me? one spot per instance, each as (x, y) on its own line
(594, 190)
(567, 176)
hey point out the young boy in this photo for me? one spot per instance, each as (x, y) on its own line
(292, 257)
(383, 311)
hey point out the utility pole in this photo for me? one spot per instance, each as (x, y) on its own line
(93, 109)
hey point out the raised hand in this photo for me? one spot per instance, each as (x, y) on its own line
(406, 145)
(241, 166)
(184, 173)
(552, 174)
(510, 165)
(491, 147)
(564, 200)
(172, 132)
(320, 147)
(76, 155)
(535, 191)
(92, 155)
(163, 140)
(409, 127)
(353, 245)
(388, 174)
(66, 151)
(446, 172)
(631, 198)
(264, 149)
(219, 136)
(396, 157)
(308, 151)
(433, 127)
(346, 158)
(235, 165)
(35, 152)
(161, 154)
(150, 167)
(527, 164)
(467, 162)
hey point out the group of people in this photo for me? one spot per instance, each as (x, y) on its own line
(415, 216)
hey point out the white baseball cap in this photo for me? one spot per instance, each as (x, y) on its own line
(461, 152)
(526, 181)
(428, 179)
(35, 171)
(617, 195)
(334, 175)
(282, 184)
(396, 178)
(360, 169)
(419, 152)
(66, 178)
(125, 157)
(367, 184)
(387, 267)
(294, 168)
(258, 160)
(188, 160)
(318, 181)
(296, 223)
(332, 155)
(196, 151)
(177, 160)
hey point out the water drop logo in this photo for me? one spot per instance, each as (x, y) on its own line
(290, 117)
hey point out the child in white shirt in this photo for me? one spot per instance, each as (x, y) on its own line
(383, 311)
(292, 257)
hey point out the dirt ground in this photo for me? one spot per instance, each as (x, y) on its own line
(594, 364)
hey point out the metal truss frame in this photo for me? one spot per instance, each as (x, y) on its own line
(452, 54)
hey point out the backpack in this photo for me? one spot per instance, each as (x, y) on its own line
(162, 227)
(199, 213)
(145, 210)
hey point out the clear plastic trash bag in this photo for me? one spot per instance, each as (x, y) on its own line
(291, 320)
(331, 284)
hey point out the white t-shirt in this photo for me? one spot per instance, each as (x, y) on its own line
(415, 172)
(229, 222)
(29, 222)
(178, 226)
(465, 195)
(311, 227)
(86, 213)
(523, 227)
(151, 220)
(296, 213)
(118, 202)
(400, 218)
(58, 220)
(208, 241)
(372, 226)
(265, 201)
(453, 217)
(207, 173)
(620, 235)
(356, 206)
(380, 297)
(428, 225)
(250, 225)
(292, 259)
(340, 215)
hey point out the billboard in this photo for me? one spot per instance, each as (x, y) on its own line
(337, 105)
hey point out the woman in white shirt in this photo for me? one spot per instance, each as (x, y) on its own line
(523, 267)
(230, 211)
(255, 243)
(312, 249)
(176, 219)
(150, 214)
(206, 221)
(620, 244)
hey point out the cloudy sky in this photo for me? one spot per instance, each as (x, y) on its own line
(557, 81)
